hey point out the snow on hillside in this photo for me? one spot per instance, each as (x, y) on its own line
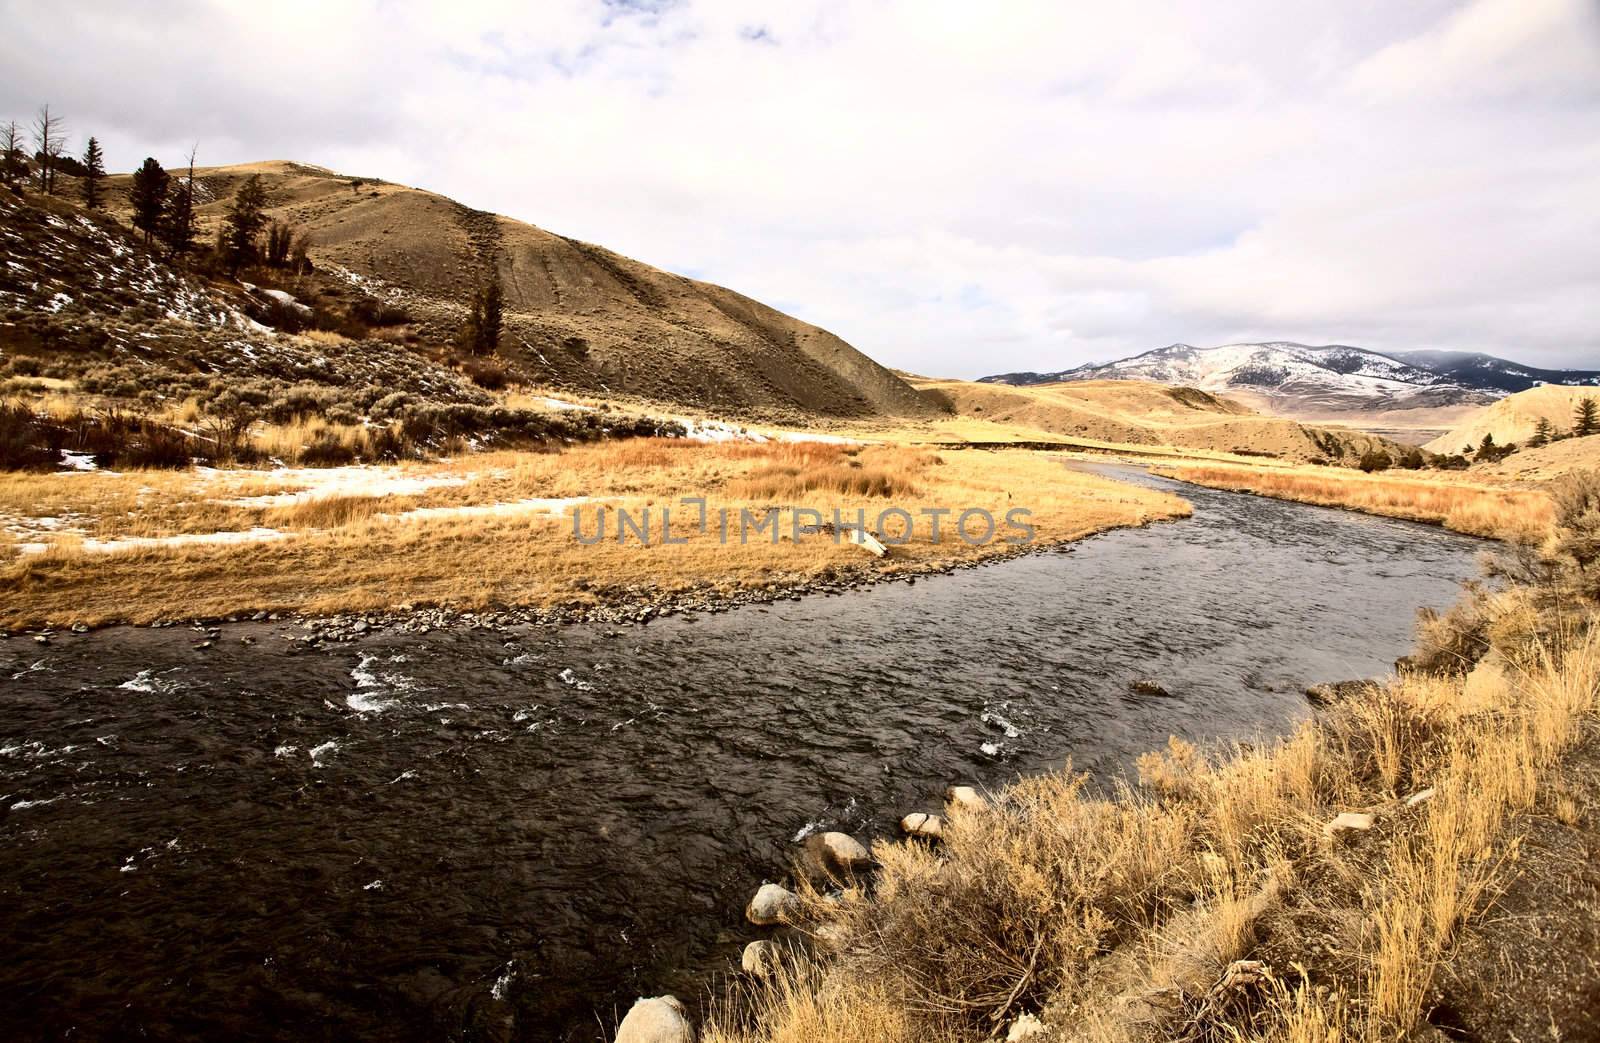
(1336, 373)
(1271, 365)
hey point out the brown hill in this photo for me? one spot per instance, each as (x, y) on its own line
(578, 315)
(1142, 413)
(1515, 417)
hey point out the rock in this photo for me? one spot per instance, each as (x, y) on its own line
(1145, 686)
(965, 798)
(921, 824)
(759, 959)
(865, 540)
(772, 905)
(1239, 974)
(1349, 820)
(40, 639)
(1026, 1026)
(1419, 797)
(1335, 691)
(832, 936)
(80, 628)
(837, 854)
(659, 1019)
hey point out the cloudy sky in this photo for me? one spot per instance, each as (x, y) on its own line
(954, 188)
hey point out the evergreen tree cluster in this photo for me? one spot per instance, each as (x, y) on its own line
(164, 206)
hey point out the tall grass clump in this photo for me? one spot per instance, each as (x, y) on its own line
(800, 470)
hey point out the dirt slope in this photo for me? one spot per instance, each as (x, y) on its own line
(578, 315)
(1513, 419)
(1137, 412)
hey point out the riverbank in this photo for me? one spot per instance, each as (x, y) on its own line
(1384, 872)
(494, 531)
(1503, 510)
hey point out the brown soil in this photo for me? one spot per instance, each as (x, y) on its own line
(1530, 969)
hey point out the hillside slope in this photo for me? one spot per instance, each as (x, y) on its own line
(1143, 413)
(578, 316)
(1546, 462)
(1514, 418)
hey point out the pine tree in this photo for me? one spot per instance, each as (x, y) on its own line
(94, 172)
(481, 335)
(246, 215)
(148, 194)
(1486, 447)
(1541, 433)
(493, 307)
(178, 229)
(1586, 419)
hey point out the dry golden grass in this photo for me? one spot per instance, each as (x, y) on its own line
(349, 552)
(1458, 504)
(1119, 917)
(801, 469)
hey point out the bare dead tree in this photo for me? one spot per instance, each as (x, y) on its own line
(50, 139)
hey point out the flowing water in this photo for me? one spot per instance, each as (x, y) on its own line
(472, 834)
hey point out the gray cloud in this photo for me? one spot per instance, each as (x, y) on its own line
(954, 189)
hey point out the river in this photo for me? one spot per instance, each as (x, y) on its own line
(474, 834)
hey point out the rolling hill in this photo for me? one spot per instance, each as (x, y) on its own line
(577, 315)
(1140, 413)
(1515, 417)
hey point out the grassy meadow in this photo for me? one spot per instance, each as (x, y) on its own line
(494, 529)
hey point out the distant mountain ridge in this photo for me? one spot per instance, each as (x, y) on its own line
(1301, 379)
(1475, 369)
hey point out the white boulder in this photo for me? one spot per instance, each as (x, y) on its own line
(773, 904)
(759, 959)
(1025, 1027)
(965, 797)
(1346, 821)
(838, 854)
(921, 824)
(659, 1019)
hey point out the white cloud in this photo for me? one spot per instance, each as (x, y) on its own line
(955, 189)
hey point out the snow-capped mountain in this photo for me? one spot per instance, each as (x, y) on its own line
(1477, 370)
(1300, 379)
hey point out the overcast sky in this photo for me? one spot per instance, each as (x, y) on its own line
(956, 189)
